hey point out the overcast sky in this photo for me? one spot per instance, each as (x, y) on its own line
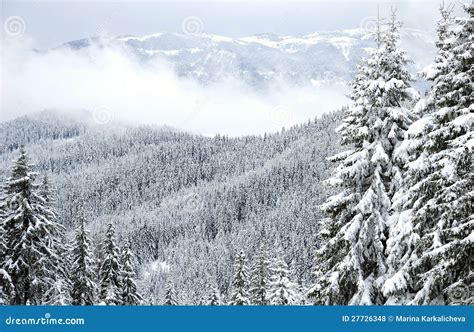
(110, 81)
(50, 24)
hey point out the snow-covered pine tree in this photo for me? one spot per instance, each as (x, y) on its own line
(260, 278)
(6, 288)
(170, 294)
(240, 293)
(214, 297)
(440, 193)
(350, 264)
(3, 214)
(130, 295)
(282, 291)
(110, 285)
(403, 237)
(82, 267)
(30, 258)
(59, 294)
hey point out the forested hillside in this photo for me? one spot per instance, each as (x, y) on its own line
(368, 205)
(184, 201)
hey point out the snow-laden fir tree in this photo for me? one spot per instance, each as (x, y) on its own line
(130, 295)
(403, 237)
(170, 294)
(109, 277)
(260, 278)
(59, 294)
(282, 291)
(350, 264)
(214, 297)
(439, 188)
(240, 284)
(30, 258)
(6, 286)
(82, 267)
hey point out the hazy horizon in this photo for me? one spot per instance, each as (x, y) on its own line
(113, 79)
(50, 24)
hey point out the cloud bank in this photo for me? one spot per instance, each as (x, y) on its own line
(114, 85)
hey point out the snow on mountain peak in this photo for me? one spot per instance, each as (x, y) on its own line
(257, 59)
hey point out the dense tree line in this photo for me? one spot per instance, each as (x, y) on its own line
(38, 266)
(401, 228)
(238, 220)
(264, 188)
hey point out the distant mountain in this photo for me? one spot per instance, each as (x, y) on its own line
(259, 59)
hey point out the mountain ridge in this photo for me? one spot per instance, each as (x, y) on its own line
(171, 192)
(262, 58)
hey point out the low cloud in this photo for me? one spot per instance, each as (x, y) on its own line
(113, 84)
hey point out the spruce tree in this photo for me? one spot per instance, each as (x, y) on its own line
(170, 295)
(7, 292)
(6, 287)
(214, 297)
(110, 285)
(439, 195)
(282, 291)
(403, 237)
(240, 293)
(260, 278)
(30, 257)
(82, 267)
(130, 295)
(350, 264)
(59, 294)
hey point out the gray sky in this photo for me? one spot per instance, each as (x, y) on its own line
(108, 81)
(50, 24)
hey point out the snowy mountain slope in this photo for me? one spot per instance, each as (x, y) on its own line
(172, 194)
(259, 59)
